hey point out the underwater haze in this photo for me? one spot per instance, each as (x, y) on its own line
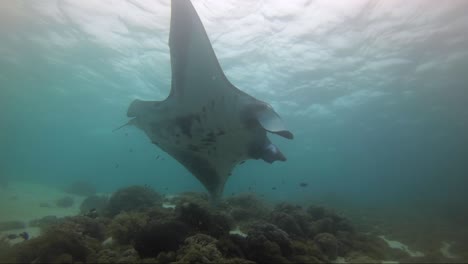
(374, 91)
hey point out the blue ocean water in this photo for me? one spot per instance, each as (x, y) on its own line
(375, 92)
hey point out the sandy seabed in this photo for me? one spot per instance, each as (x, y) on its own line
(21, 201)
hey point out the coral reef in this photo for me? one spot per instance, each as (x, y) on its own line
(44, 221)
(65, 202)
(133, 227)
(133, 198)
(158, 236)
(202, 199)
(266, 243)
(123, 255)
(94, 202)
(125, 226)
(81, 188)
(203, 220)
(328, 245)
(72, 240)
(244, 208)
(202, 248)
(6, 254)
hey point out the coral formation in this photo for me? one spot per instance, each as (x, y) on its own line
(244, 208)
(94, 202)
(142, 231)
(202, 248)
(72, 240)
(125, 226)
(328, 244)
(81, 188)
(202, 199)
(157, 236)
(133, 198)
(266, 243)
(44, 221)
(201, 219)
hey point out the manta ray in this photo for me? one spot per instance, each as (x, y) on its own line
(206, 123)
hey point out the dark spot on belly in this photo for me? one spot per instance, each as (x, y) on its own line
(193, 148)
(220, 132)
(242, 162)
(210, 137)
(177, 135)
(185, 124)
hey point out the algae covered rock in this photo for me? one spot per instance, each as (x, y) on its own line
(121, 255)
(268, 244)
(94, 202)
(133, 198)
(125, 226)
(292, 219)
(202, 248)
(45, 221)
(156, 237)
(199, 248)
(204, 220)
(67, 242)
(201, 199)
(246, 207)
(6, 253)
(84, 226)
(307, 251)
(328, 244)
